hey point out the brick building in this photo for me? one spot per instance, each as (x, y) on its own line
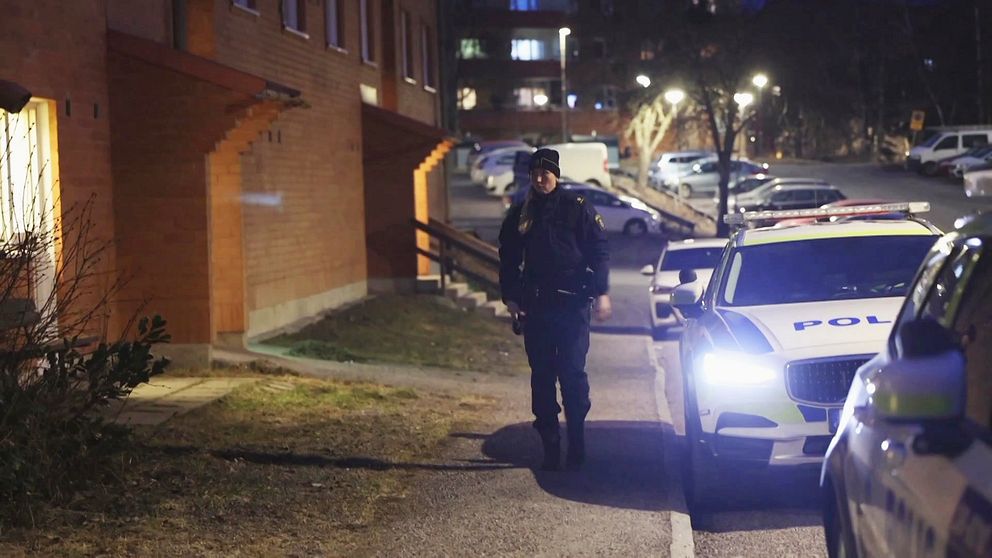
(506, 59)
(255, 162)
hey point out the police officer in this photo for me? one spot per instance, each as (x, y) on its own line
(553, 262)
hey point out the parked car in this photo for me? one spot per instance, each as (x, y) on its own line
(484, 147)
(705, 176)
(612, 148)
(673, 165)
(620, 213)
(495, 162)
(974, 158)
(757, 193)
(792, 196)
(941, 143)
(908, 472)
(699, 255)
(978, 183)
(744, 185)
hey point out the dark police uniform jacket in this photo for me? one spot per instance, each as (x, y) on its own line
(562, 245)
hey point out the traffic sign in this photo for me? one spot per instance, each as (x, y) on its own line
(916, 121)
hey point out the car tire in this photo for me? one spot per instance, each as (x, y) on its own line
(658, 332)
(929, 168)
(701, 471)
(685, 191)
(837, 531)
(635, 227)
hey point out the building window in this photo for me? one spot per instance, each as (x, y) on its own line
(526, 49)
(470, 48)
(246, 4)
(407, 42)
(334, 24)
(531, 97)
(647, 50)
(607, 99)
(427, 53)
(467, 98)
(368, 30)
(294, 15)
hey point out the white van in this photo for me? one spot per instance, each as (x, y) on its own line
(584, 162)
(941, 143)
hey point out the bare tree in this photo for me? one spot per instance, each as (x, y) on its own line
(648, 127)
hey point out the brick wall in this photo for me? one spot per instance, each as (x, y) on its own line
(57, 50)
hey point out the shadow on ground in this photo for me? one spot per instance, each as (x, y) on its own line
(624, 467)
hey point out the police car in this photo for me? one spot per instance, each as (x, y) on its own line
(772, 344)
(909, 472)
(698, 255)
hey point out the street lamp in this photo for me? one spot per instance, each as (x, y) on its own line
(643, 80)
(760, 81)
(743, 100)
(676, 96)
(562, 33)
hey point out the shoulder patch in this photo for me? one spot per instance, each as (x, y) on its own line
(599, 221)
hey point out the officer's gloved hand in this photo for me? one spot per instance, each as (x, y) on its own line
(604, 309)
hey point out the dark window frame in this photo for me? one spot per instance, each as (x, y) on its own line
(428, 58)
(300, 25)
(406, 42)
(367, 21)
(334, 24)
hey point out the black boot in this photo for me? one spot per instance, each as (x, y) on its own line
(576, 455)
(551, 440)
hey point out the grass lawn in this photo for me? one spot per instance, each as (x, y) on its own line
(420, 330)
(286, 466)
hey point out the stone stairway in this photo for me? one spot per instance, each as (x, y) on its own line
(463, 295)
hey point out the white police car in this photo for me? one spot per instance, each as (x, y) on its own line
(909, 472)
(772, 345)
(699, 255)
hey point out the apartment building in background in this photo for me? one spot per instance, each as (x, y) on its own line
(254, 162)
(507, 65)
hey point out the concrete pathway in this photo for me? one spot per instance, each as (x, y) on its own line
(163, 398)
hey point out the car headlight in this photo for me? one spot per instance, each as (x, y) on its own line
(734, 369)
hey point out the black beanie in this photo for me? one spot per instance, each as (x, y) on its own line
(546, 159)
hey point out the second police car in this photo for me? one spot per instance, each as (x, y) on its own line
(775, 338)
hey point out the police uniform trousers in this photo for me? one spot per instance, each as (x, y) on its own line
(556, 338)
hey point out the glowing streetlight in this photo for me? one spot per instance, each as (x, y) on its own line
(743, 99)
(562, 33)
(674, 96)
(540, 99)
(760, 81)
(643, 81)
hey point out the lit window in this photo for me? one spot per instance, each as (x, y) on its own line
(531, 97)
(427, 55)
(294, 15)
(247, 4)
(368, 31)
(572, 99)
(406, 45)
(526, 49)
(334, 23)
(27, 188)
(467, 98)
(470, 48)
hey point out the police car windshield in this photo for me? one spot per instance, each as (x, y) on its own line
(823, 269)
(694, 258)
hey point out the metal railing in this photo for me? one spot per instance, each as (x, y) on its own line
(459, 251)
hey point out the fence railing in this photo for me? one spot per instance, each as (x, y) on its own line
(458, 251)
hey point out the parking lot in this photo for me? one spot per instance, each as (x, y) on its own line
(766, 512)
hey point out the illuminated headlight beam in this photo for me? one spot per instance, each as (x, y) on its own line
(725, 369)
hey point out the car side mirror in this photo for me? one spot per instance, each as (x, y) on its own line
(647, 270)
(687, 298)
(926, 383)
(687, 276)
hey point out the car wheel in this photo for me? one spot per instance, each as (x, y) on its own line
(837, 531)
(929, 168)
(701, 471)
(685, 191)
(658, 332)
(635, 227)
